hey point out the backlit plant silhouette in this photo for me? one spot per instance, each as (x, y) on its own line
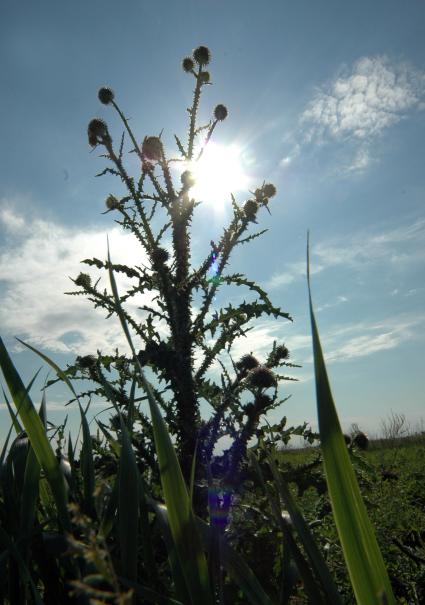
(174, 281)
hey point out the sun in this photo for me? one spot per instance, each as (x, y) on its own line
(218, 173)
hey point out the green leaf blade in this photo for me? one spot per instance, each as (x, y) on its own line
(363, 557)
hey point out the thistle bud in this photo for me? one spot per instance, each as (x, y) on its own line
(205, 77)
(281, 352)
(262, 401)
(188, 64)
(187, 179)
(106, 95)
(160, 256)
(152, 149)
(96, 131)
(220, 112)
(247, 362)
(250, 209)
(202, 55)
(83, 280)
(87, 361)
(269, 190)
(112, 203)
(261, 377)
(361, 440)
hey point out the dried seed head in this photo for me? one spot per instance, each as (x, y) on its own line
(106, 95)
(202, 55)
(262, 377)
(220, 112)
(269, 190)
(188, 64)
(152, 149)
(187, 179)
(83, 280)
(205, 77)
(250, 209)
(112, 203)
(247, 362)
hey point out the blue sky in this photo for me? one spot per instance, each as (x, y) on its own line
(326, 100)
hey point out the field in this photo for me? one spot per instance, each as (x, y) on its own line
(391, 474)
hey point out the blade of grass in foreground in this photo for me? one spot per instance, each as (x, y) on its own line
(36, 434)
(182, 521)
(363, 558)
(128, 506)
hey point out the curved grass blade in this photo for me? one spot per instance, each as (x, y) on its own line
(364, 560)
(61, 374)
(87, 465)
(36, 434)
(182, 521)
(128, 506)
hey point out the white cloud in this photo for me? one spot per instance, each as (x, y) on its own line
(363, 339)
(355, 107)
(34, 271)
(364, 100)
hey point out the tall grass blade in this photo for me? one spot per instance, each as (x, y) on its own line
(128, 506)
(363, 557)
(36, 434)
(87, 465)
(182, 521)
(60, 373)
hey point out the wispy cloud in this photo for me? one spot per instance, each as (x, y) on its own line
(363, 339)
(396, 247)
(34, 273)
(359, 104)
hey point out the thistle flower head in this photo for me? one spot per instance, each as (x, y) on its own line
(361, 440)
(112, 203)
(220, 112)
(152, 149)
(96, 131)
(269, 190)
(281, 352)
(106, 95)
(87, 361)
(188, 64)
(262, 401)
(250, 209)
(83, 280)
(247, 362)
(187, 179)
(261, 377)
(202, 55)
(160, 255)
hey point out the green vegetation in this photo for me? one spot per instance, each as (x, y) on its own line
(146, 513)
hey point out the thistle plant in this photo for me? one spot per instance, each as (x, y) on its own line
(175, 281)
